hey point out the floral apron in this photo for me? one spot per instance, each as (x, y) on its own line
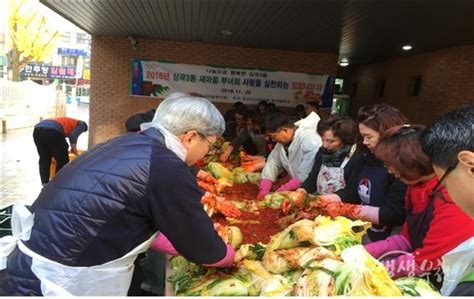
(331, 179)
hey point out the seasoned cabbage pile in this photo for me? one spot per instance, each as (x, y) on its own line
(309, 258)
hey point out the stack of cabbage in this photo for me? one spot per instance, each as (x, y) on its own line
(227, 177)
(219, 147)
(309, 258)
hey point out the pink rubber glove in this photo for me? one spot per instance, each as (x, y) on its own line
(162, 244)
(227, 261)
(291, 185)
(393, 243)
(403, 265)
(330, 198)
(265, 186)
(369, 213)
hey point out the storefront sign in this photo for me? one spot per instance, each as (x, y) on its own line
(86, 74)
(73, 52)
(227, 84)
(48, 71)
(36, 71)
(63, 72)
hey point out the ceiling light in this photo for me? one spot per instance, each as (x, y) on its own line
(226, 32)
(344, 63)
(407, 48)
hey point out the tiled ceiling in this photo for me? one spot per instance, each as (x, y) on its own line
(363, 31)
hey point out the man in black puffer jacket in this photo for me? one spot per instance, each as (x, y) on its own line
(104, 208)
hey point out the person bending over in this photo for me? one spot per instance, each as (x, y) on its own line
(50, 140)
(85, 229)
(297, 145)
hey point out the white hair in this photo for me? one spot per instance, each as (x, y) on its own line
(179, 113)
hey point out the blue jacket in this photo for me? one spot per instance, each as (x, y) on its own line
(111, 199)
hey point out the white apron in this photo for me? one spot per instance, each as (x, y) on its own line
(110, 279)
(331, 179)
(301, 153)
(456, 264)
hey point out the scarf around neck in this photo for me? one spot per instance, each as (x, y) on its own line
(335, 159)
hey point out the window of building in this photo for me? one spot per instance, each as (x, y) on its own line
(338, 86)
(68, 60)
(66, 37)
(81, 38)
(83, 91)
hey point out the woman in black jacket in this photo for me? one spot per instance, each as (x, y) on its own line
(338, 159)
(380, 197)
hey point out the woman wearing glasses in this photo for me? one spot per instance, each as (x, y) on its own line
(434, 224)
(88, 225)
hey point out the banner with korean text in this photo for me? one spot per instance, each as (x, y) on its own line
(229, 84)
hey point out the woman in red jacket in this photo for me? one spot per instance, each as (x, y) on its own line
(434, 224)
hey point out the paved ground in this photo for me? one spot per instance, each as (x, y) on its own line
(19, 176)
(20, 179)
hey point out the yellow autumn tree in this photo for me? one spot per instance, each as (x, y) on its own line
(31, 39)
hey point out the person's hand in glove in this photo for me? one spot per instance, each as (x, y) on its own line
(330, 198)
(368, 213)
(227, 261)
(162, 244)
(402, 265)
(253, 165)
(74, 150)
(206, 177)
(362, 212)
(393, 243)
(225, 155)
(265, 187)
(291, 185)
(324, 200)
(335, 209)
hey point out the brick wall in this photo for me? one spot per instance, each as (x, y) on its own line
(447, 83)
(111, 103)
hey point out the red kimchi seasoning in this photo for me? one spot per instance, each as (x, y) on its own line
(256, 226)
(240, 191)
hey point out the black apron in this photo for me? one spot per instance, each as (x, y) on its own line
(418, 224)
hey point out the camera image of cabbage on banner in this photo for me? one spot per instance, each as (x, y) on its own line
(229, 84)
